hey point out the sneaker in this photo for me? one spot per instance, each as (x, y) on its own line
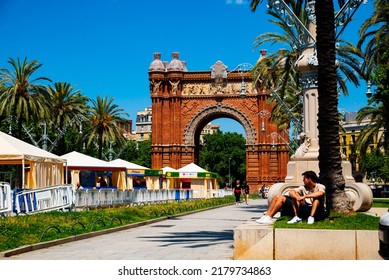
(295, 220)
(265, 220)
(260, 219)
(311, 220)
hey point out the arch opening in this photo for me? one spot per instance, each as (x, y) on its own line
(194, 127)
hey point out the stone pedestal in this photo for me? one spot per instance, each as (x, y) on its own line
(360, 194)
(260, 242)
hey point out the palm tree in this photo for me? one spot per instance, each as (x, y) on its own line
(68, 106)
(22, 97)
(379, 115)
(374, 32)
(106, 123)
(330, 161)
(278, 70)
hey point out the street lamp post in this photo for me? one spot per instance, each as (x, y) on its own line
(307, 65)
(229, 171)
(306, 156)
(242, 69)
(263, 114)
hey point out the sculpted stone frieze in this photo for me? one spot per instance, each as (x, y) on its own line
(210, 89)
(154, 86)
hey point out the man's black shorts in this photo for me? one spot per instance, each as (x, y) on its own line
(305, 210)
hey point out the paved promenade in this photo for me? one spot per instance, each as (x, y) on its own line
(206, 235)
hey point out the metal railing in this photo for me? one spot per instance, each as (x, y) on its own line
(219, 193)
(107, 197)
(65, 197)
(5, 199)
(60, 197)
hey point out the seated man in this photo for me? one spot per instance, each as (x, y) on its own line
(303, 202)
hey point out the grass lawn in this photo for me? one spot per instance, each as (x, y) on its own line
(359, 221)
(381, 202)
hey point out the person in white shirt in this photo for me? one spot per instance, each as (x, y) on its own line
(304, 202)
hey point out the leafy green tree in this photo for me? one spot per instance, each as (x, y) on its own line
(68, 107)
(143, 153)
(128, 152)
(132, 151)
(105, 122)
(376, 165)
(222, 153)
(384, 170)
(74, 140)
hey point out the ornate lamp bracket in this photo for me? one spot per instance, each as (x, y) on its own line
(309, 80)
(304, 37)
(343, 17)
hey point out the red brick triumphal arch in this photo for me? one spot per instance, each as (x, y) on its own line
(183, 102)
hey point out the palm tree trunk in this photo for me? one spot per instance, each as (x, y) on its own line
(100, 141)
(330, 161)
(61, 142)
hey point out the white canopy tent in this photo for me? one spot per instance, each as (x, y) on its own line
(194, 177)
(46, 169)
(77, 161)
(169, 182)
(134, 172)
(191, 168)
(127, 164)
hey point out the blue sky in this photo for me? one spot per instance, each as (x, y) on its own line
(106, 46)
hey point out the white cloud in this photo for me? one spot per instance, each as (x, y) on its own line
(237, 2)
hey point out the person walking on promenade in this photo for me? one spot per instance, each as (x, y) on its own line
(237, 190)
(304, 202)
(263, 191)
(246, 192)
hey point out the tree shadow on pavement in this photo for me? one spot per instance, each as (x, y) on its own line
(193, 239)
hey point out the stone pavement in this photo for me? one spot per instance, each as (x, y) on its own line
(206, 235)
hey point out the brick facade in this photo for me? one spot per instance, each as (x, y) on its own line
(184, 102)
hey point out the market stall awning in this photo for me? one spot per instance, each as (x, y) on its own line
(127, 164)
(45, 168)
(191, 168)
(132, 168)
(194, 171)
(78, 161)
(14, 150)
